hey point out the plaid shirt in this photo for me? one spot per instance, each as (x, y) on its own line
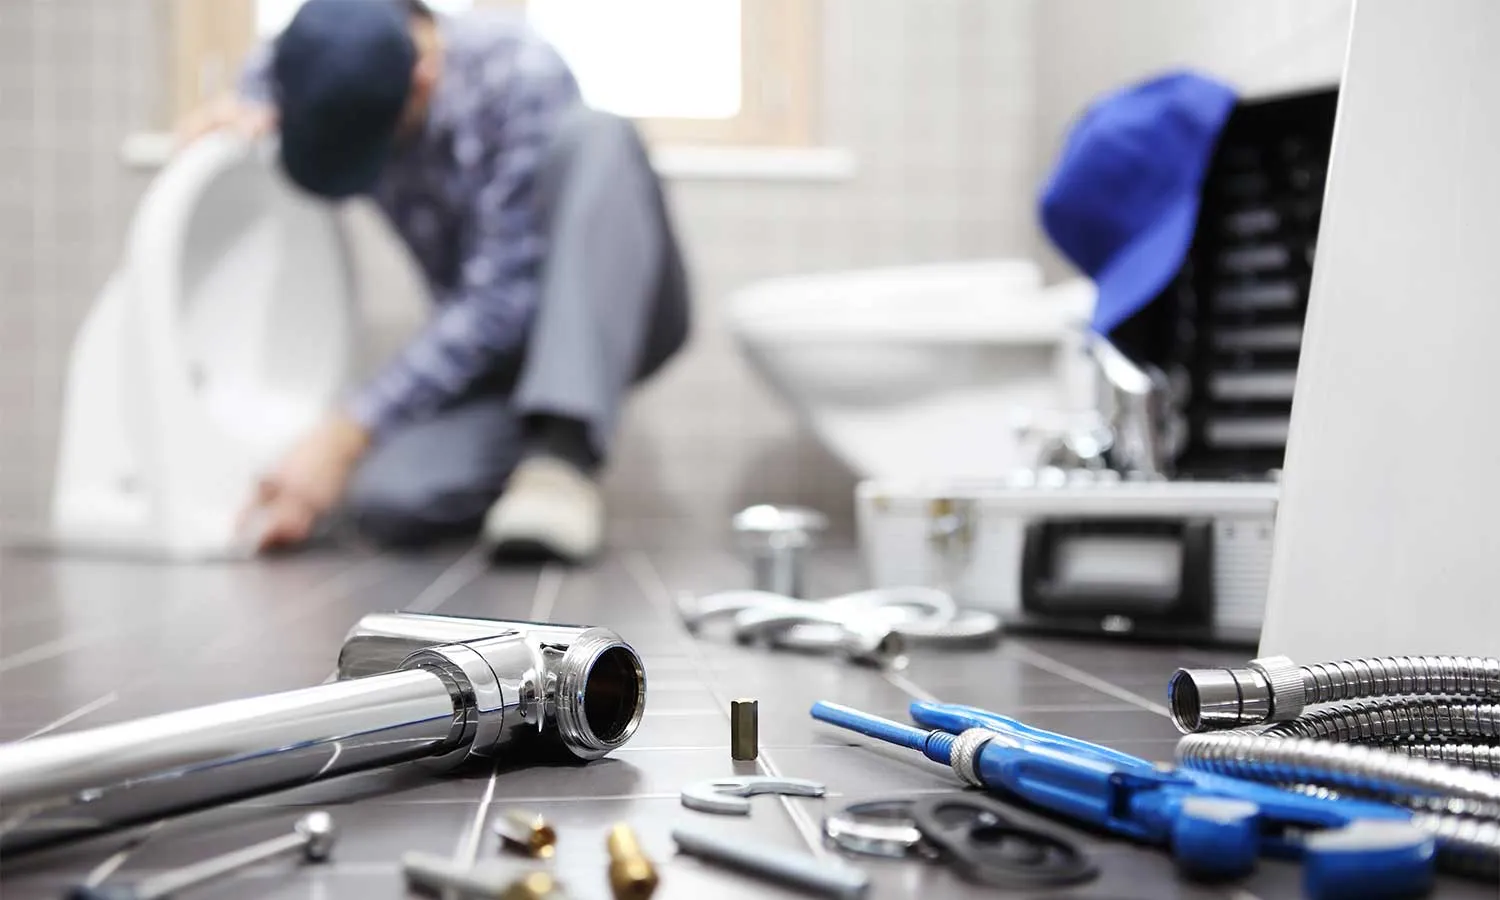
(460, 194)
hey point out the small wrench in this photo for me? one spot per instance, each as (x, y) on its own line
(314, 835)
(730, 796)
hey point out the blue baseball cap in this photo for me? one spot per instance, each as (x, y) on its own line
(1122, 203)
(341, 72)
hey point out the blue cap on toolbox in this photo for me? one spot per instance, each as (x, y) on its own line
(1122, 203)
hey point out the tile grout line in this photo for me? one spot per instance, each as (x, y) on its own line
(113, 863)
(89, 707)
(47, 650)
(1057, 667)
(461, 573)
(548, 586)
(648, 578)
(467, 852)
(544, 597)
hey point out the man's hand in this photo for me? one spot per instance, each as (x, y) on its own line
(306, 483)
(229, 112)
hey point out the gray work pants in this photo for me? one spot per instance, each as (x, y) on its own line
(613, 309)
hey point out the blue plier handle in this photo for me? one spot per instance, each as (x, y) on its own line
(1216, 826)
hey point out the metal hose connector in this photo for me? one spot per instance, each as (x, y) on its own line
(1274, 689)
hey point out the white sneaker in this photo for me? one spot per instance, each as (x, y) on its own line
(549, 508)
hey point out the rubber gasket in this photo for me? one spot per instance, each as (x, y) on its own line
(986, 847)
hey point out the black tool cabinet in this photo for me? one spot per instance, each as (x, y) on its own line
(1227, 330)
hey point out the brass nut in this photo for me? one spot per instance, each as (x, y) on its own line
(526, 833)
(632, 875)
(744, 729)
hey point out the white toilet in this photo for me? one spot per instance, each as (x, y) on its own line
(227, 330)
(923, 371)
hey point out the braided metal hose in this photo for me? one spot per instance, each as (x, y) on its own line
(1368, 771)
(1458, 732)
(1432, 724)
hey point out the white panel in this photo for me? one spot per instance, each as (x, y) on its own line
(1386, 540)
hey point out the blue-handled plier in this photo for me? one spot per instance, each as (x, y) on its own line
(1216, 826)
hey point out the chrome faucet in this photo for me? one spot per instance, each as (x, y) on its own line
(409, 687)
(1130, 429)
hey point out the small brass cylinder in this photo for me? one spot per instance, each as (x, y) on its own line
(632, 876)
(525, 832)
(744, 729)
(534, 886)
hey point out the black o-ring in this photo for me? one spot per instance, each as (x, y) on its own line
(1052, 862)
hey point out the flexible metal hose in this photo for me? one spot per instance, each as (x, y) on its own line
(1424, 733)
(1474, 676)
(1430, 729)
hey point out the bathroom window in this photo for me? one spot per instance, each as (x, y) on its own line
(690, 71)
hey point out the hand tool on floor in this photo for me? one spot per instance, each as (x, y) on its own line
(487, 880)
(525, 832)
(313, 836)
(411, 687)
(788, 867)
(730, 796)
(632, 875)
(1216, 826)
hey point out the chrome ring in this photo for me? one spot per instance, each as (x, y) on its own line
(877, 828)
(965, 754)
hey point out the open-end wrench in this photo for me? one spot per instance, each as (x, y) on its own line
(730, 796)
(314, 835)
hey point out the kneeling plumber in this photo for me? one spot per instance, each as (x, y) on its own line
(546, 245)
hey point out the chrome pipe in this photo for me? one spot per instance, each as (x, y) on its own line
(445, 691)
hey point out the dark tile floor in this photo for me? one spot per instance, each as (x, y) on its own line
(85, 642)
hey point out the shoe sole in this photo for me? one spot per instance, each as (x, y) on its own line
(529, 551)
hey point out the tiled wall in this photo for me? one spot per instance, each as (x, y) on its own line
(76, 76)
(950, 107)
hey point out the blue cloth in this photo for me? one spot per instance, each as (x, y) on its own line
(460, 193)
(1122, 202)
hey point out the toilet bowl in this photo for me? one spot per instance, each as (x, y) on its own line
(922, 371)
(225, 333)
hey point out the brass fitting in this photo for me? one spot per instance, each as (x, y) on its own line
(534, 886)
(744, 729)
(632, 875)
(525, 832)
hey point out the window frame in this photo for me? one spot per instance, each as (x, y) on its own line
(210, 39)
